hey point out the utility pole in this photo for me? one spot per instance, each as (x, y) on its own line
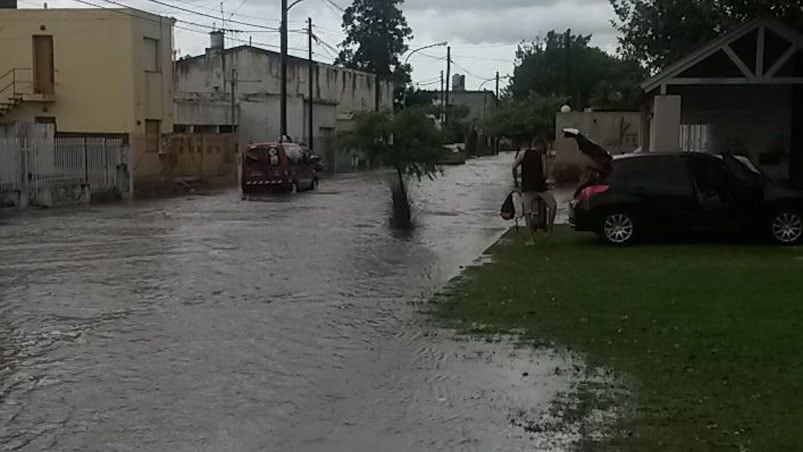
(496, 139)
(443, 99)
(233, 99)
(448, 82)
(497, 88)
(311, 143)
(283, 103)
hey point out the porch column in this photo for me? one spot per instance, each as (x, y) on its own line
(665, 124)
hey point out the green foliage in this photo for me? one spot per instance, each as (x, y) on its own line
(407, 141)
(563, 64)
(521, 120)
(659, 32)
(376, 36)
(457, 125)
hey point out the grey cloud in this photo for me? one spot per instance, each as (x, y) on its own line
(516, 24)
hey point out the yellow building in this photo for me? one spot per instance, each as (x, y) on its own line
(96, 72)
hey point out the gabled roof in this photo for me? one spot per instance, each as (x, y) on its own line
(754, 71)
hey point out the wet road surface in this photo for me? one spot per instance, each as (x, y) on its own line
(291, 323)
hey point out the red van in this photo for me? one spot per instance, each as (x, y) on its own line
(278, 167)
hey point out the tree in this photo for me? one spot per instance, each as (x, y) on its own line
(408, 142)
(521, 120)
(376, 36)
(659, 32)
(563, 64)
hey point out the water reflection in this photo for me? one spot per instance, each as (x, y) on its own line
(209, 323)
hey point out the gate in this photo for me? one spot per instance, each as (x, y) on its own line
(62, 170)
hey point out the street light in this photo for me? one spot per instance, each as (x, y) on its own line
(406, 60)
(437, 44)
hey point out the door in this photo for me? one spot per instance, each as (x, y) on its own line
(723, 199)
(43, 69)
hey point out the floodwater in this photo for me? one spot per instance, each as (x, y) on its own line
(208, 323)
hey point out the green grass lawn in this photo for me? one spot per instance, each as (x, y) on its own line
(710, 334)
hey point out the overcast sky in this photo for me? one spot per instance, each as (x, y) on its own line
(483, 33)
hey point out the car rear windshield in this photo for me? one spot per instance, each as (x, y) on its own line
(665, 173)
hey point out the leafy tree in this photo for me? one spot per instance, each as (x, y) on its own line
(376, 36)
(659, 32)
(563, 64)
(408, 142)
(521, 120)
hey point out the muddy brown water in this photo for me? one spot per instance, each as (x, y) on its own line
(207, 323)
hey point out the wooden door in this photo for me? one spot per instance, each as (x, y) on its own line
(43, 70)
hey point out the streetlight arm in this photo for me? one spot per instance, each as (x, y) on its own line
(437, 44)
(294, 4)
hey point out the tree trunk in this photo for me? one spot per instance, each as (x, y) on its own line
(402, 212)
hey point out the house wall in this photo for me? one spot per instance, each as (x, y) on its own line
(259, 72)
(203, 91)
(618, 132)
(749, 120)
(480, 104)
(101, 86)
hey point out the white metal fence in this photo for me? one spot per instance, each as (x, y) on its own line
(66, 166)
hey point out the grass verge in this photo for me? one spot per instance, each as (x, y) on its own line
(711, 334)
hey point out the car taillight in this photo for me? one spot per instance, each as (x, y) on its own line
(586, 193)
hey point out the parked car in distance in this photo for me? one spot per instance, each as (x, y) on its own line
(278, 167)
(632, 196)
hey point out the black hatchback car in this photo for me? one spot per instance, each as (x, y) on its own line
(628, 197)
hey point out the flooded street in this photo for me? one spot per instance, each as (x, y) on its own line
(293, 323)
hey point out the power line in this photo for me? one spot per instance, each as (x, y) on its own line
(179, 8)
(340, 8)
(162, 22)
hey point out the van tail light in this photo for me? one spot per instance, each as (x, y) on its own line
(591, 191)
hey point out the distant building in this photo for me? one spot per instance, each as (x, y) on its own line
(204, 97)
(480, 104)
(741, 93)
(90, 72)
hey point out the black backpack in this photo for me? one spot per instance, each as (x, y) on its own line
(508, 208)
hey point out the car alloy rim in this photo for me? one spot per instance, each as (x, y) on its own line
(787, 227)
(618, 228)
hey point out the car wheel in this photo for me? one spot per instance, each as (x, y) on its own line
(786, 227)
(618, 228)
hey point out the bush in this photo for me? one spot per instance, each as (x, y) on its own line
(567, 173)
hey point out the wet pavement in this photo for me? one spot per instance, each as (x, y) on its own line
(207, 323)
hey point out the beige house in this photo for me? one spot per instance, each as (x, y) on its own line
(741, 93)
(91, 72)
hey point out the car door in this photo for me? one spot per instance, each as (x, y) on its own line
(661, 189)
(715, 194)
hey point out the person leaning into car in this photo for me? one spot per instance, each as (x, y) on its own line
(533, 182)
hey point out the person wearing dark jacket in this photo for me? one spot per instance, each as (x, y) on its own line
(533, 182)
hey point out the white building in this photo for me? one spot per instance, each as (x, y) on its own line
(204, 97)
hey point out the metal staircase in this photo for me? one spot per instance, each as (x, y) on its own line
(14, 88)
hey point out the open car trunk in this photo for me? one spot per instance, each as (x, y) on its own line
(602, 159)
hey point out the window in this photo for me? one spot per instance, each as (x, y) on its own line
(667, 174)
(150, 54)
(710, 177)
(152, 133)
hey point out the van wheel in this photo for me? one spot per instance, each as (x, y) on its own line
(786, 227)
(618, 228)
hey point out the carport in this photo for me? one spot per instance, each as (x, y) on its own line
(741, 93)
